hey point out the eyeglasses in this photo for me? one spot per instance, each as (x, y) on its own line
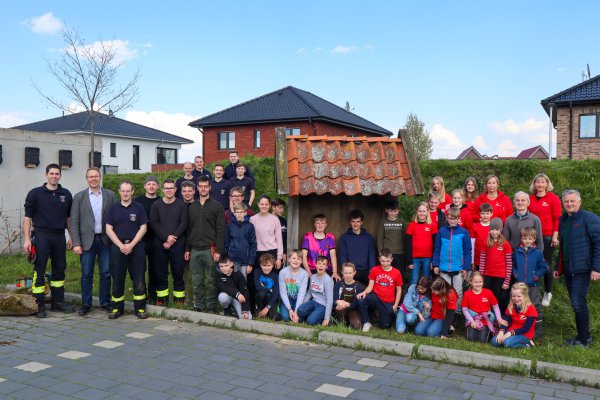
(235, 195)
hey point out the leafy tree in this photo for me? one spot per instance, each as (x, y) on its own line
(419, 137)
(88, 73)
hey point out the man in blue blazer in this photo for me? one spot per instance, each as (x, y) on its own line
(88, 214)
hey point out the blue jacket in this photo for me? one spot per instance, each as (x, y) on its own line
(452, 249)
(358, 249)
(528, 265)
(414, 304)
(583, 242)
(240, 242)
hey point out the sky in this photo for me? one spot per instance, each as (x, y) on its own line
(474, 72)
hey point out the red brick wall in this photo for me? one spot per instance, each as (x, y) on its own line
(162, 168)
(244, 137)
(582, 148)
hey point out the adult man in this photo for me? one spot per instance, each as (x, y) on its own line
(89, 211)
(199, 170)
(47, 209)
(230, 170)
(520, 219)
(244, 182)
(146, 200)
(219, 188)
(203, 246)
(188, 167)
(188, 192)
(168, 219)
(236, 196)
(578, 260)
(126, 224)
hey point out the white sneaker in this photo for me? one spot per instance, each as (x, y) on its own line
(366, 327)
(547, 299)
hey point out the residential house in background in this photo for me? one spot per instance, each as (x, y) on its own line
(126, 146)
(533, 153)
(249, 127)
(575, 114)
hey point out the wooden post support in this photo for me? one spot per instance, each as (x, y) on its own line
(413, 163)
(281, 163)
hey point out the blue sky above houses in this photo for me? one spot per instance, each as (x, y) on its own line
(474, 72)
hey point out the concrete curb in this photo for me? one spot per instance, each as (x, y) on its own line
(472, 358)
(199, 317)
(401, 348)
(567, 373)
(270, 328)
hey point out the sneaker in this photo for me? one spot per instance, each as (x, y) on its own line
(577, 343)
(547, 299)
(141, 314)
(115, 313)
(84, 310)
(366, 327)
(107, 307)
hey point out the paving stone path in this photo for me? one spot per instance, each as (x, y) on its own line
(69, 357)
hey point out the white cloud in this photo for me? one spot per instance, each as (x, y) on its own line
(45, 24)
(480, 144)
(11, 119)
(123, 51)
(176, 124)
(344, 49)
(302, 51)
(446, 143)
(517, 128)
(507, 148)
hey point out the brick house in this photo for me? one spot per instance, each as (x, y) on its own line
(575, 114)
(249, 127)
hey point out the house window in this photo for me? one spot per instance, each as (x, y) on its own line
(166, 156)
(226, 140)
(292, 131)
(136, 156)
(113, 149)
(588, 126)
(256, 138)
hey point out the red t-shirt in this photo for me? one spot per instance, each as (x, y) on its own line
(548, 209)
(422, 238)
(385, 283)
(501, 206)
(517, 320)
(479, 303)
(466, 217)
(437, 311)
(480, 233)
(446, 203)
(495, 261)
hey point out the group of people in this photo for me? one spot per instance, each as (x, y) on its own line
(239, 261)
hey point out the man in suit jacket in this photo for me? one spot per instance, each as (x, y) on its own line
(88, 214)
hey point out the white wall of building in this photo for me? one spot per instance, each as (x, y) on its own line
(124, 156)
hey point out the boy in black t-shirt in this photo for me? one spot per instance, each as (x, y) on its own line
(344, 297)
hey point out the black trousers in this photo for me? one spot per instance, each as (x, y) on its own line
(162, 258)
(495, 285)
(51, 246)
(262, 299)
(148, 249)
(135, 263)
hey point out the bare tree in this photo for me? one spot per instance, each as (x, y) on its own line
(88, 73)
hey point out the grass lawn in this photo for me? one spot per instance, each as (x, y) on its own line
(559, 321)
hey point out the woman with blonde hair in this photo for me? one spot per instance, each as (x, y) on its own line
(501, 203)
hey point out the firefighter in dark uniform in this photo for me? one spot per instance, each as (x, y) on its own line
(47, 209)
(126, 224)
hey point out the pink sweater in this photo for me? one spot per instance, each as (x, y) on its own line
(268, 233)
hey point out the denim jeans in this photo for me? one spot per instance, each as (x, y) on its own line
(312, 312)
(88, 260)
(577, 286)
(430, 327)
(385, 310)
(513, 342)
(420, 264)
(285, 314)
(403, 320)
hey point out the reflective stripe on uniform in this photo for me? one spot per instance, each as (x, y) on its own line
(57, 283)
(140, 297)
(37, 289)
(117, 299)
(178, 295)
(162, 293)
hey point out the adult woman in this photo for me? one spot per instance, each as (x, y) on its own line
(471, 193)
(546, 205)
(268, 233)
(501, 204)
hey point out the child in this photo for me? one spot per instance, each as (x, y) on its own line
(358, 247)
(477, 305)
(293, 282)
(420, 235)
(496, 263)
(458, 202)
(232, 289)
(318, 310)
(240, 241)
(390, 235)
(480, 233)
(520, 316)
(437, 216)
(245, 182)
(266, 283)
(277, 209)
(416, 305)
(529, 266)
(379, 295)
(437, 185)
(344, 296)
(452, 253)
(443, 308)
(319, 243)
